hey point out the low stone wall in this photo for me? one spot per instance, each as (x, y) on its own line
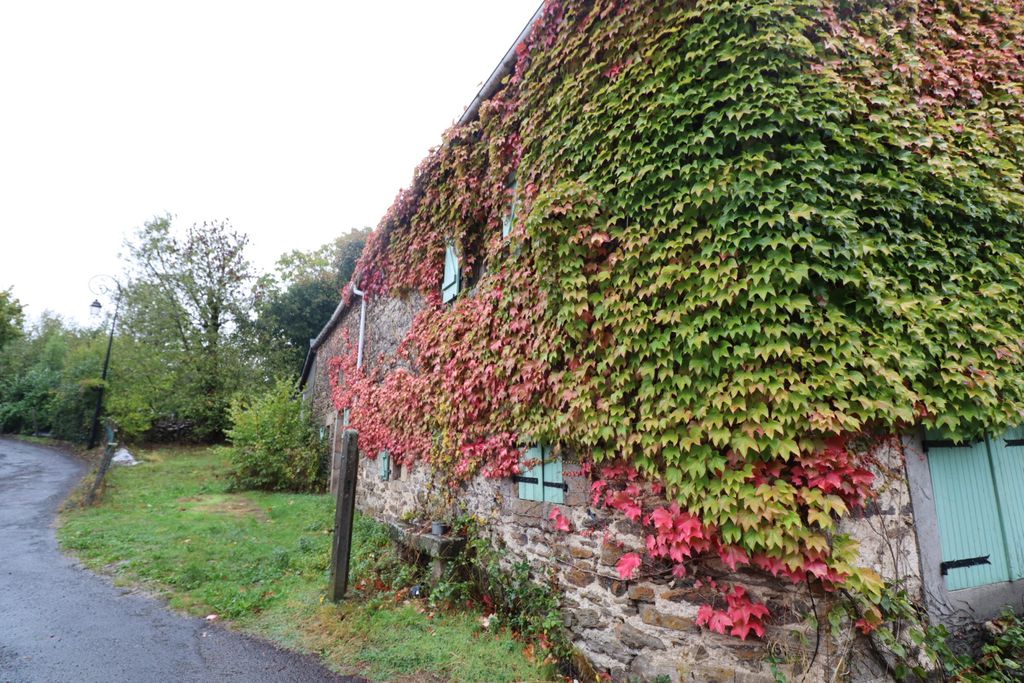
(641, 629)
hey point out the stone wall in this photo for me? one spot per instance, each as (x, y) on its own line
(387, 321)
(641, 629)
(318, 385)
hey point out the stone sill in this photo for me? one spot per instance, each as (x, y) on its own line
(437, 547)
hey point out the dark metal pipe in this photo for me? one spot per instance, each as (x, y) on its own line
(94, 432)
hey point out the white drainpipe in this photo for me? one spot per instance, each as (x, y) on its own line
(335, 456)
(362, 324)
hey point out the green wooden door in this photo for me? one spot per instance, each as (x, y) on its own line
(967, 508)
(1008, 465)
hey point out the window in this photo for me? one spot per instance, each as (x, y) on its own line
(978, 490)
(543, 482)
(452, 275)
(344, 418)
(508, 221)
(384, 462)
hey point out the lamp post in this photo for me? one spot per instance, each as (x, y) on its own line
(103, 285)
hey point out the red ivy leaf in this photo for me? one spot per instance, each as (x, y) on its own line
(719, 622)
(733, 555)
(562, 522)
(627, 565)
(742, 629)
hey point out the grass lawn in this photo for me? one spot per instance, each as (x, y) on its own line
(261, 561)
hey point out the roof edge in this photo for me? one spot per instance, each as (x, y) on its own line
(318, 341)
(491, 85)
(504, 68)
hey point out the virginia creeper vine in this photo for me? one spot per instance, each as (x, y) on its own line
(753, 238)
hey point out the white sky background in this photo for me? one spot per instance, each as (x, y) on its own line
(295, 120)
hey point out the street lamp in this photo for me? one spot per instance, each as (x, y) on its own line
(103, 285)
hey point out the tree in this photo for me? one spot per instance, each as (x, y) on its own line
(11, 317)
(301, 297)
(189, 293)
(334, 262)
(47, 379)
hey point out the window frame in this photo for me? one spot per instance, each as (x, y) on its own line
(451, 282)
(508, 219)
(545, 481)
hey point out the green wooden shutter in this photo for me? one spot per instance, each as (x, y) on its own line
(533, 490)
(1008, 465)
(552, 471)
(384, 461)
(452, 276)
(968, 513)
(344, 418)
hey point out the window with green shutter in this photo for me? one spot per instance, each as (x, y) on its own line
(543, 482)
(554, 485)
(508, 221)
(384, 462)
(978, 490)
(452, 276)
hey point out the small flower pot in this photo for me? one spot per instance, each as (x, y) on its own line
(439, 528)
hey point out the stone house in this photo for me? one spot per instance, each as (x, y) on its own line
(945, 519)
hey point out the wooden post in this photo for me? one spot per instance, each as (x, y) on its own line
(343, 514)
(101, 473)
(335, 455)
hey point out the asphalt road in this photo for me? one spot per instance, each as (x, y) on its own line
(59, 622)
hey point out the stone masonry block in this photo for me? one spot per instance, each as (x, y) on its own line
(637, 639)
(651, 616)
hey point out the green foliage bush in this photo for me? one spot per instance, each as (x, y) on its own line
(1002, 659)
(516, 597)
(273, 445)
(48, 380)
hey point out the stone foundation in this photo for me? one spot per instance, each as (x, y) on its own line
(642, 629)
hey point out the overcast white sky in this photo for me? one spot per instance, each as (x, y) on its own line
(295, 120)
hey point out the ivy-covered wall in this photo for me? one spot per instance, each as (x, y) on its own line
(754, 241)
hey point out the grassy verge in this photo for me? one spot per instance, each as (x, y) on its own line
(261, 561)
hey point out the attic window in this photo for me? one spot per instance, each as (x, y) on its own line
(508, 221)
(452, 281)
(543, 482)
